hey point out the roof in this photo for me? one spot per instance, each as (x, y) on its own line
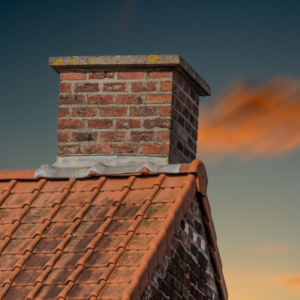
(132, 61)
(99, 237)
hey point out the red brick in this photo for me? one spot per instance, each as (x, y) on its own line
(166, 86)
(100, 123)
(190, 219)
(175, 89)
(68, 149)
(186, 241)
(126, 148)
(163, 136)
(63, 112)
(71, 99)
(189, 103)
(70, 124)
(101, 75)
(65, 88)
(72, 76)
(84, 136)
(128, 123)
(165, 111)
(162, 123)
(156, 149)
(159, 74)
(181, 96)
(159, 99)
(100, 99)
(195, 110)
(115, 87)
(86, 87)
(130, 74)
(84, 111)
(143, 86)
(112, 136)
(96, 148)
(141, 136)
(129, 99)
(142, 111)
(113, 111)
(63, 136)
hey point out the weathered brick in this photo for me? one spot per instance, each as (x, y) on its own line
(63, 112)
(138, 136)
(129, 99)
(70, 124)
(71, 99)
(86, 87)
(159, 99)
(165, 111)
(142, 111)
(96, 148)
(162, 123)
(112, 136)
(72, 76)
(84, 136)
(68, 149)
(166, 86)
(63, 136)
(163, 136)
(65, 88)
(130, 74)
(128, 123)
(126, 148)
(100, 99)
(155, 149)
(113, 111)
(101, 75)
(100, 123)
(159, 74)
(143, 86)
(115, 87)
(84, 111)
(189, 103)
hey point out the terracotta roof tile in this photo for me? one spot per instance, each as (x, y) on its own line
(92, 238)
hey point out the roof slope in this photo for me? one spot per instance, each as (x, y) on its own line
(93, 238)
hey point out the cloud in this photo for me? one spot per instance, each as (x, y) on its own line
(250, 122)
(272, 248)
(291, 282)
(125, 16)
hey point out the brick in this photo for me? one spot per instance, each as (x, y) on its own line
(178, 105)
(159, 99)
(138, 136)
(143, 86)
(84, 111)
(72, 76)
(127, 123)
(71, 99)
(142, 111)
(115, 87)
(68, 149)
(155, 149)
(101, 99)
(100, 123)
(86, 87)
(162, 123)
(63, 112)
(191, 219)
(159, 74)
(130, 74)
(163, 136)
(96, 148)
(101, 75)
(181, 96)
(112, 136)
(84, 136)
(70, 124)
(126, 148)
(63, 136)
(165, 111)
(186, 241)
(195, 110)
(113, 111)
(129, 99)
(166, 86)
(65, 88)
(189, 103)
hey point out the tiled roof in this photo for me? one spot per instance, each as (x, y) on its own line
(92, 238)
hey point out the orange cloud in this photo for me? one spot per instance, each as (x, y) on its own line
(248, 122)
(292, 282)
(269, 249)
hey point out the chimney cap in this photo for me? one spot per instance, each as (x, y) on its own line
(131, 61)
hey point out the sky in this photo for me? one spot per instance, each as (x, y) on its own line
(239, 48)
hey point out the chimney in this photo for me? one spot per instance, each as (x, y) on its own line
(133, 107)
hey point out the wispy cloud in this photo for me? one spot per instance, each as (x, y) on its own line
(125, 15)
(272, 248)
(291, 282)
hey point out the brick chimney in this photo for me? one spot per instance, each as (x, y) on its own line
(141, 106)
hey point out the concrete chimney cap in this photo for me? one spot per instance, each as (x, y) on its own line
(132, 61)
